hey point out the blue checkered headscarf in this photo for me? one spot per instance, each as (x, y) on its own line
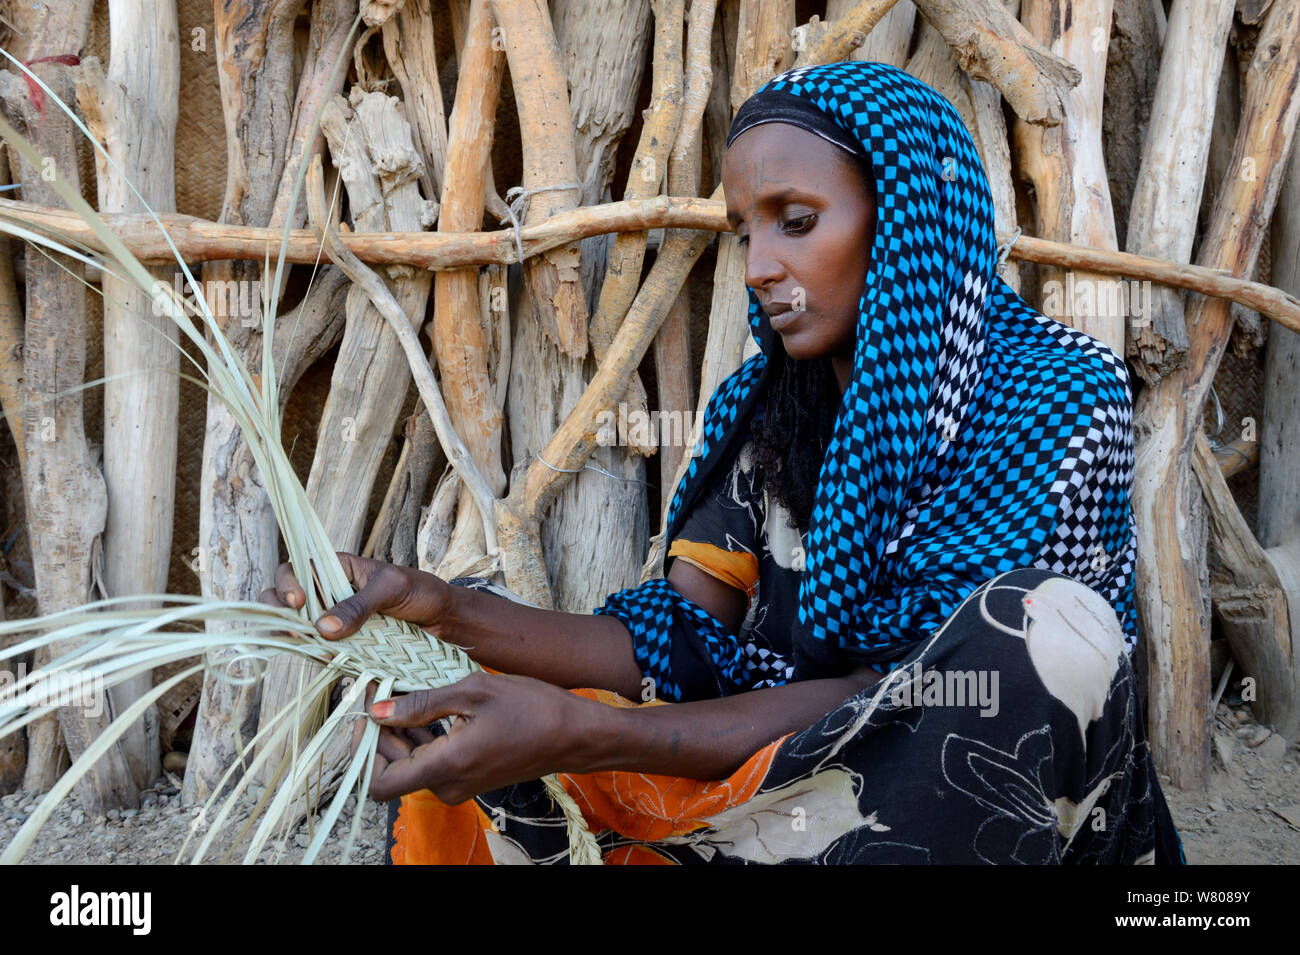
(976, 435)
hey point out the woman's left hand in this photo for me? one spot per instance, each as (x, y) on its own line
(509, 729)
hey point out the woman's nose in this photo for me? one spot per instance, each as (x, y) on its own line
(762, 267)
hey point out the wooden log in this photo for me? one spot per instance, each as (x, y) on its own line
(329, 31)
(829, 42)
(717, 115)
(1132, 72)
(396, 531)
(410, 51)
(66, 502)
(593, 537)
(133, 111)
(891, 38)
(459, 337)
(238, 537)
(1066, 165)
(1278, 517)
(399, 324)
(764, 46)
(646, 175)
(11, 336)
(534, 489)
(672, 346)
(1163, 219)
(373, 149)
(461, 249)
(672, 355)
(1255, 592)
(550, 169)
(991, 45)
(1171, 586)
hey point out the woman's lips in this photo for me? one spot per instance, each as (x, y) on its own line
(781, 316)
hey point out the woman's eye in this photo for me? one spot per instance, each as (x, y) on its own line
(799, 225)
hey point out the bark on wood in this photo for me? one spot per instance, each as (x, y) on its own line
(65, 496)
(459, 337)
(647, 173)
(764, 46)
(11, 336)
(1066, 164)
(238, 537)
(132, 112)
(1278, 517)
(1172, 171)
(396, 531)
(991, 45)
(327, 44)
(889, 41)
(1171, 587)
(534, 489)
(550, 169)
(824, 42)
(462, 249)
(594, 536)
(409, 48)
(1132, 72)
(1256, 592)
(55, 26)
(672, 348)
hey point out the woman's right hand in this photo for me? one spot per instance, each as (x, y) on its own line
(401, 592)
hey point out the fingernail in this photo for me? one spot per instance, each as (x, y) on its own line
(329, 623)
(383, 710)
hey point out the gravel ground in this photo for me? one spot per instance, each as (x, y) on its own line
(154, 834)
(1249, 814)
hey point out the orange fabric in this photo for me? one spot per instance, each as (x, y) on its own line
(429, 832)
(737, 568)
(637, 805)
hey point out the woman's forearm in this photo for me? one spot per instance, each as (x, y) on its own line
(565, 649)
(709, 739)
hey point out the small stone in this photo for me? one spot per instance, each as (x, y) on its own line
(1216, 804)
(302, 840)
(1240, 715)
(129, 813)
(114, 815)
(77, 817)
(1273, 750)
(99, 820)
(1261, 733)
(162, 801)
(10, 801)
(1224, 745)
(1245, 732)
(174, 762)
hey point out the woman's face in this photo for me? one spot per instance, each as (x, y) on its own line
(805, 215)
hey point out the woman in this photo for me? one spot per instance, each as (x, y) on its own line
(898, 613)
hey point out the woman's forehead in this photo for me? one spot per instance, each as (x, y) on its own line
(775, 157)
